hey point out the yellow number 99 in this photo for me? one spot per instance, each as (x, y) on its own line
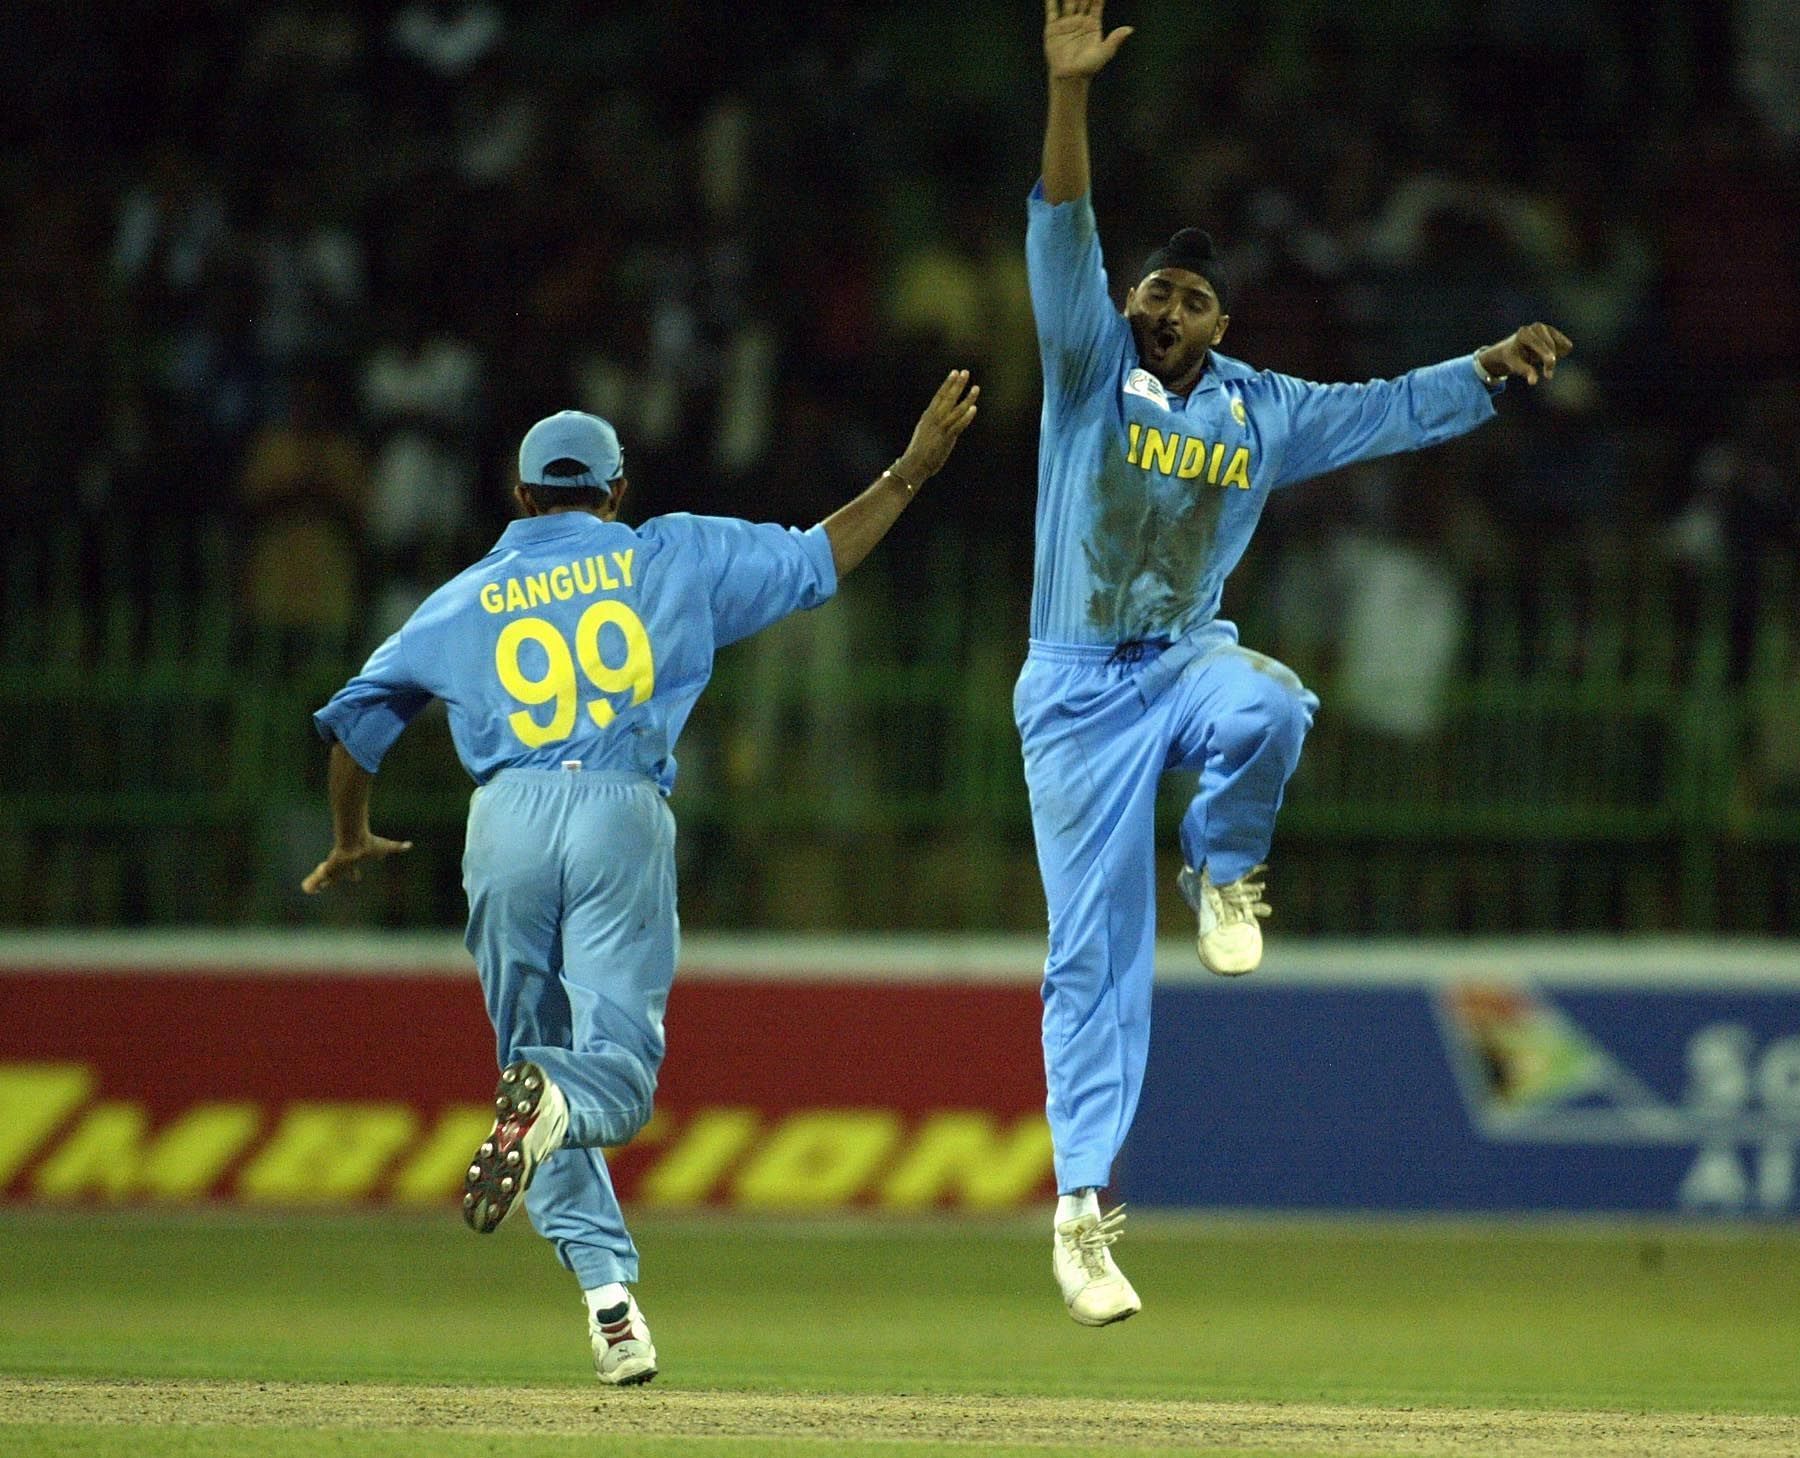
(637, 674)
(556, 686)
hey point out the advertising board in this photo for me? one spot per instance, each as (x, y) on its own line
(1659, 1079)
(905, 1075)
(280, 1073)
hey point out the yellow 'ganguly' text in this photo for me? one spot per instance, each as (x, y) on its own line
(583, 578)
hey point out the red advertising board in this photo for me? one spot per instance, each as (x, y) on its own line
(300, 1086)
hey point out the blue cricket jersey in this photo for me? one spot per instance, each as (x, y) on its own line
(580, 639)
(1146, 500)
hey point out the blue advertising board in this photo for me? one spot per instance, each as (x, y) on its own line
(1523, 1078)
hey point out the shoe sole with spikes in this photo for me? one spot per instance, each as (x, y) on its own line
(529, 1121)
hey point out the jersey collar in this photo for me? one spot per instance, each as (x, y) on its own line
(547, 528)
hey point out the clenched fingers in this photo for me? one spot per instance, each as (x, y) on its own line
(1540, 346)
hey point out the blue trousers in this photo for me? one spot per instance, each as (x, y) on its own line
(1099, 730)
(572, 923)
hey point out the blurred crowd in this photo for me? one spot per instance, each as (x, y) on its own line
(309, 267)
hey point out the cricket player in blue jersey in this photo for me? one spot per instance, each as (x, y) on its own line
(569, 659)
(1156, 458)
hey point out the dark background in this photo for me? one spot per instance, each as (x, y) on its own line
(284, 283)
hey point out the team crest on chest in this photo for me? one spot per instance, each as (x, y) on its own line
(1237, 410)
(1144, 384)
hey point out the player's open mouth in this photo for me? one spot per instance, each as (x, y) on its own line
(1162, 342)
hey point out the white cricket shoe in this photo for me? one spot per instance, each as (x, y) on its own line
(1230, 939)
(624, 1355)
(530, 1119)
(1093, 1287)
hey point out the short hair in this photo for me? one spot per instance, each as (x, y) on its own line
(550, 498)
(565, 466)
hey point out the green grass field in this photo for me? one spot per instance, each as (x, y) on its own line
(218, 1335)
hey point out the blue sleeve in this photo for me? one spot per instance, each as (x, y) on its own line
(1079, 330)
(760, 572)
(368, 714)
(1328, 426)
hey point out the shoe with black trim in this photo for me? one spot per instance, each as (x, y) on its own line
(624, 1355)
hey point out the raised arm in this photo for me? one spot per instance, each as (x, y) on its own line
(858, 525)
(1076, 46)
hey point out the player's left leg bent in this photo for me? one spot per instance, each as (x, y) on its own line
(513, 873)
(619, 943)
(1241, 720)
(530, 1119)
(510, 877)
(619, 946)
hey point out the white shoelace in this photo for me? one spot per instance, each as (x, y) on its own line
(1241, 900)
(1090, 1245)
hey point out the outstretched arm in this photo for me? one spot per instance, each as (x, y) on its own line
(1076, 46)
(1335, 425)
(858, 525)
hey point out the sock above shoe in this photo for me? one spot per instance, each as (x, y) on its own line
(606, 1298)
(624, 1354)
(1073, 1207)
(1093, 1287)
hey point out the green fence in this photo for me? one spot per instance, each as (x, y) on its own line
(1595, 751)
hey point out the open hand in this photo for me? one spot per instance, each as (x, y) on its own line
(1527, 352)
(351, 858)
(1075, 42)
(945, 418)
